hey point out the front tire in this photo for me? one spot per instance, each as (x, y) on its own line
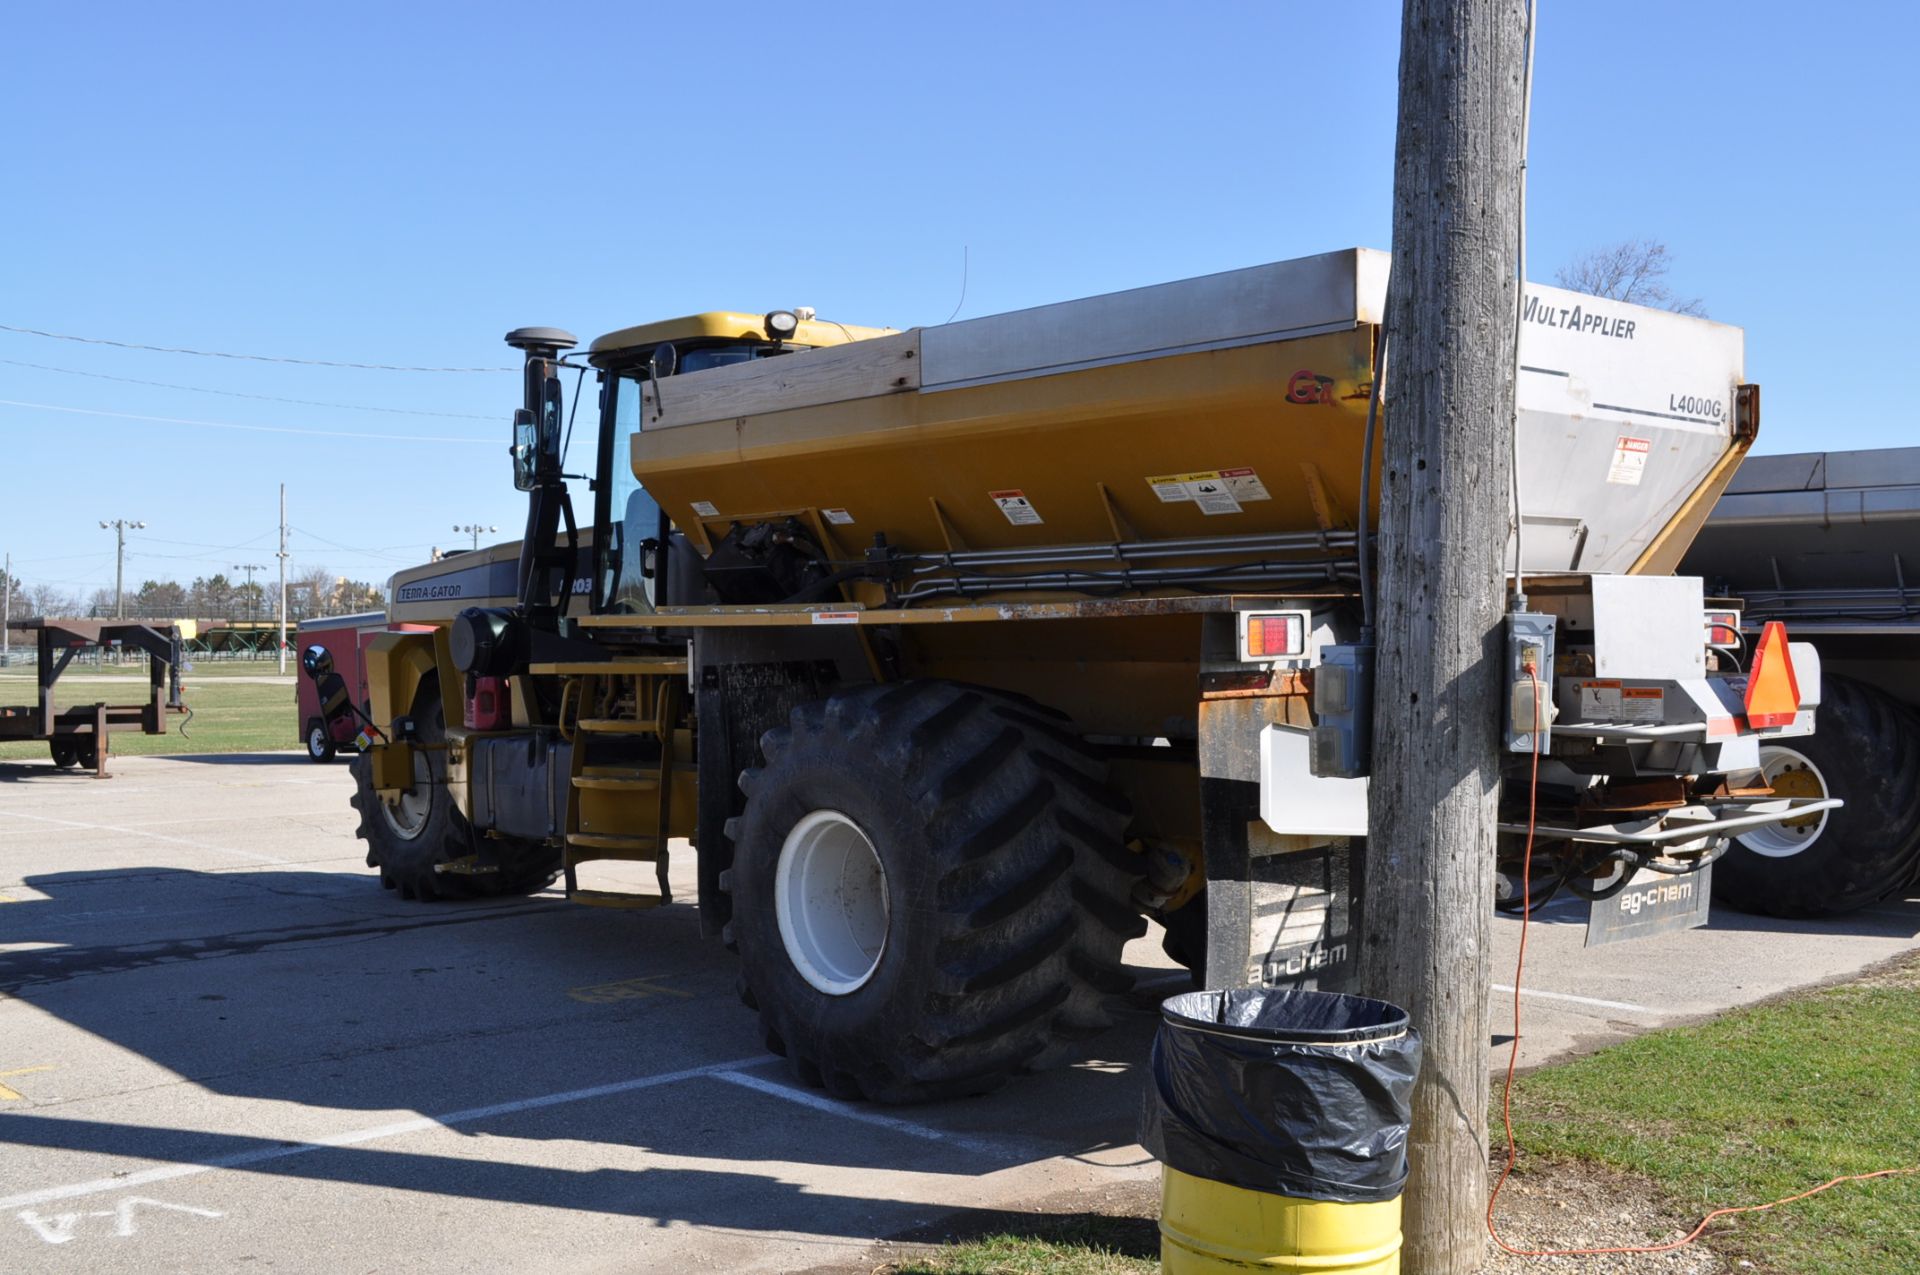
(929, 890)
(1865, 749)
(409, 838)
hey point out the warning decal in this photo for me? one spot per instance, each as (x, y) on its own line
(1609, 701)
(1643, 704)
(1216, 491)
(1245, 485)
(1210, 493)
(1015, 505)
(1600, 701)
(838, 517)
(705, 509)
(1629, 461)
(836, 617)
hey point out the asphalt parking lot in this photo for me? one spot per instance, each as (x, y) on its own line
(223, 1046)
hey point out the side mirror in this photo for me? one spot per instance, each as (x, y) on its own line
(663, 360)
(525, 450)
(317, 660)
(537, 426)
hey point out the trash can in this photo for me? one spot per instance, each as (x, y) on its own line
(1280, 1120)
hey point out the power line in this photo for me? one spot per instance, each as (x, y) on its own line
(255, 429)
(70, 557)
(264, 398)
(371, 553)
(253, 358)
(201, 544)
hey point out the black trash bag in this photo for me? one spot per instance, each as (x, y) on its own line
(1287, 1092)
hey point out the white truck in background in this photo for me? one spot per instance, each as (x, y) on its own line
(1829, 543)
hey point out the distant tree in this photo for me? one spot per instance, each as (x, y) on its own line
(161, 600)
(52, 600)
(1633, 270)
(249, 600)
(212, 597)
(100, 605)
(358, 595)
(310, 593)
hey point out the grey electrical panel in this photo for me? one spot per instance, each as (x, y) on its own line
(1343, 713)
(1529, 693)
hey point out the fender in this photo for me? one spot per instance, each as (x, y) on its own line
(397, 663)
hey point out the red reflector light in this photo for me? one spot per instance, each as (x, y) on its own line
(1273, 636)
(1723, 629)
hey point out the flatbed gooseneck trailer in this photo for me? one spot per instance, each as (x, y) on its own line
(958, 652)
(81, 734)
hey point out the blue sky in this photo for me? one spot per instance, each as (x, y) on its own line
(404, 183)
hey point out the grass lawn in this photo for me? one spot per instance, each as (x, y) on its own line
(202, 669)
(228, 716)
(1082, 1245)
(1755, 1105)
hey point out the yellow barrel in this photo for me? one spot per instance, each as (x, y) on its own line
(1208, 1227)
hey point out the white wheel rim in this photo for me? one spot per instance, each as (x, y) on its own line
(1793, 774)
(316, 741)
(830, 898)
(408, 815)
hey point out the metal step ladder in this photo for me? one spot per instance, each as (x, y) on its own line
(621, 807)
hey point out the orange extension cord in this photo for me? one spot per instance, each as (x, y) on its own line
(1513, 1059)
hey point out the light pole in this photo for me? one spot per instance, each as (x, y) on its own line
(120, 528)
(253, 601)
(473, 529)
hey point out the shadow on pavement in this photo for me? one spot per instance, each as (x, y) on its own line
(1889, 918)
(322, 990)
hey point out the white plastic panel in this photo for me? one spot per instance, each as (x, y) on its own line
(1294, 801)
(1649, 627)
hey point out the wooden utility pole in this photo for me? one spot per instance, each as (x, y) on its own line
(1446, 469)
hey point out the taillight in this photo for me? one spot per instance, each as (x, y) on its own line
(1723, 630)
(1272, 635)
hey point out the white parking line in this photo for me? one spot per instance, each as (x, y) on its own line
(151, 836)
(357, 1137)
(1578, 1000)
(847, 1111)
(170, 823)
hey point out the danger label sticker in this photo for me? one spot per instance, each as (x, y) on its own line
(1643, 704)
(1245, 485)
(1609, 701)
(705, 508)
(838, 517)
(836, 617)
(1015, 505)
(1629, 461)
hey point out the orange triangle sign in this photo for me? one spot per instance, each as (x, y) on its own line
(1773, 693)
